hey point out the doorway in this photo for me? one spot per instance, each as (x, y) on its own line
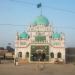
(39, 53)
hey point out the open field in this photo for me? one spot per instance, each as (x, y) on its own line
(35, 69)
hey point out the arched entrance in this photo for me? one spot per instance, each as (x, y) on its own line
(39, 54)
(19, 54)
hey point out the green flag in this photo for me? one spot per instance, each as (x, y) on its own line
(39, 5)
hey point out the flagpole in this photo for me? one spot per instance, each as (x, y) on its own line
(40, 6)
(41, 11)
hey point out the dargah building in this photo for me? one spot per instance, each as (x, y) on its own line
(40, 43)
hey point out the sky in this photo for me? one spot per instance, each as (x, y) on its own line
(17, 15)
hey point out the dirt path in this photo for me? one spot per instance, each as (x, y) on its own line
(35, 69)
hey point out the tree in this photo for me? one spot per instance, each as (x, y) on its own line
(9, 48)
(1, 48)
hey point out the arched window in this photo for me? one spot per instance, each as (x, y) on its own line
(59, 55)
(20, 54)
(52, 55)
(27, 54)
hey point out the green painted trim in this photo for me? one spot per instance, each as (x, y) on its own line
(56, 43)
(23, 43)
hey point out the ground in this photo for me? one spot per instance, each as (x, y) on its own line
(37, 69)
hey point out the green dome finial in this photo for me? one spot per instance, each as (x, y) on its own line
(41, 20)
(56, 35)
(24, 35)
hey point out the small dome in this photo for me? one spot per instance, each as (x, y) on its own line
(24, 35)
(41, 20)
(55, 35)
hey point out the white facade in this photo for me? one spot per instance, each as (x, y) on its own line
(40, 39)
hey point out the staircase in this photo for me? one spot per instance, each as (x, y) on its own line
(22, 61)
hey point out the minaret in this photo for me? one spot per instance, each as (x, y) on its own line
(62, 35)
(17, 36)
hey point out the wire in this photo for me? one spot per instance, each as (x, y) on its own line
(50, 7)
(59, 9)
(24, 2)
(57, 27)
(11, 25)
